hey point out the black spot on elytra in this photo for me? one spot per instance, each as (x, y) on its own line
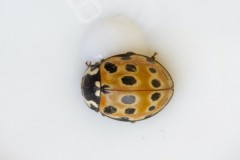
(151, 108)
(128, 80)
(130, 110)
(152, 70)
(131, 68)
(155, 96)
(129, 99)
(110, 110)
(156, 83)
(111, 68)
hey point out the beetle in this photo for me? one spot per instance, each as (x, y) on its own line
(127, 87)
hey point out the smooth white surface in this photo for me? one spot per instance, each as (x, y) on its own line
(43, 47)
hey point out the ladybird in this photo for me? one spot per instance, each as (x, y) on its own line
(127, 87)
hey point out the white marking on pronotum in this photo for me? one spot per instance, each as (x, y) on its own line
(97, 84)
(95, 71)
(89, 103)
(97, 93)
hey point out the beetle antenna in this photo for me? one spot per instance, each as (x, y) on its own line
(153, 56)
(89, 64)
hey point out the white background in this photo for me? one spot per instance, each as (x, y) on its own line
(44, 45)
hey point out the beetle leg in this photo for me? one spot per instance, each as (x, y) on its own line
(130, 53)
(153, 56)
(89, 64)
